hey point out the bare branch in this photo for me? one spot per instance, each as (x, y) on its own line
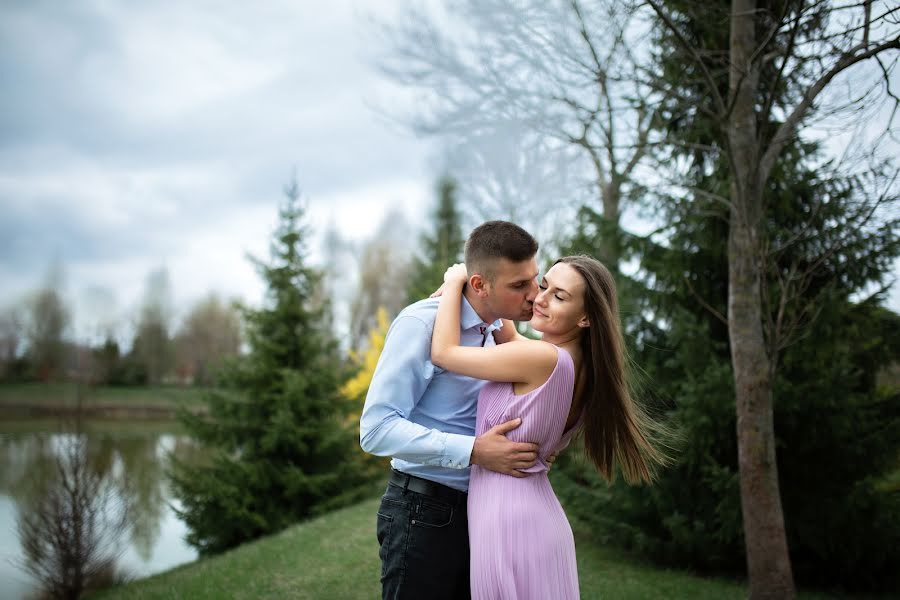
(704, 303)
(770, 96)
(868, 22)
(786, 130)
(641, 145)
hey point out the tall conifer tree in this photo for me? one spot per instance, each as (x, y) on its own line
(441, 247)
(280, 446)
(837, 429)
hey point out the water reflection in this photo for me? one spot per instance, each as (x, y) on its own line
(132, 462)
(72, 537)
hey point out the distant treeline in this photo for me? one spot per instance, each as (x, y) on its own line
(35, 344)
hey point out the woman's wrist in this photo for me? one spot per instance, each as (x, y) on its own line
(456, 275)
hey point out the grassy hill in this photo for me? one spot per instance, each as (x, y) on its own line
(336, 556)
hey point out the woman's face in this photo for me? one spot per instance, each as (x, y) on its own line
(559, 305)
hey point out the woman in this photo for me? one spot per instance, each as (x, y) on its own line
(571, 380)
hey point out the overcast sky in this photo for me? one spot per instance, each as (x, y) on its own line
(140, 135)
(135, 135)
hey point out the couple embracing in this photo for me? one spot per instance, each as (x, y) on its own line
(474, 413)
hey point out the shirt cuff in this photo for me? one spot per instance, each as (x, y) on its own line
(457, 451)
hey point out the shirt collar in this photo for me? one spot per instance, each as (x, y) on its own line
(468, 318)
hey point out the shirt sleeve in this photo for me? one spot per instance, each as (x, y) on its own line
(402, 375)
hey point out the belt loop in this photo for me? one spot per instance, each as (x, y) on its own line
(405, 482)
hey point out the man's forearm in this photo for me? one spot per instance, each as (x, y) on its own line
(403, 439)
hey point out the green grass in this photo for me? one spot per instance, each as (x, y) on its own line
(336, 556)
(66, 394)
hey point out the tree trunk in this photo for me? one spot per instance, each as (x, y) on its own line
(610, 250)
(768, 560)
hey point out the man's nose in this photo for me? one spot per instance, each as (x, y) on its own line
(532, 292)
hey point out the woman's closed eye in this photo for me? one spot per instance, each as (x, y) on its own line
(543, 286)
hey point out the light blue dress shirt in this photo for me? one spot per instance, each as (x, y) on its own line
(420, 414)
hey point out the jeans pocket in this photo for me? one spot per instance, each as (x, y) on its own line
(432, 513)
(383, 528)
(383, 533)
(392, 530)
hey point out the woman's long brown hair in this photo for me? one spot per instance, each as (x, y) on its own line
(616, 430)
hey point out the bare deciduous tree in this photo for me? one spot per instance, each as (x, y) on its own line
(47, 325)
(153, 342)
(383, 272)
(511, 174)
(339, 279)
(10, 337)
(72, 536)
(210, 333)
(48, 322)
(553, 68)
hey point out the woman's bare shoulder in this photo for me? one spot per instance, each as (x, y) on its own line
(538, 351)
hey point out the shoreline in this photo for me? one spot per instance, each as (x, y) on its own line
(89, 410)
(61, 400)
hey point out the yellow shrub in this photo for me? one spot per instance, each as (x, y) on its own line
(355, 389)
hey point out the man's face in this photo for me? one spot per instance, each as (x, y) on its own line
(513, 289)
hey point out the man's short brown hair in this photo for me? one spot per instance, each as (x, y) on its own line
(493, 240)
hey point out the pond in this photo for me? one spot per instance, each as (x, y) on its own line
(130, 459)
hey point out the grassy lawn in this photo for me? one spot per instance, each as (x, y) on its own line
(336, 556)
(66, 394)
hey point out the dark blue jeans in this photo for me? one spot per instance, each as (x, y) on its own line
(424, 546)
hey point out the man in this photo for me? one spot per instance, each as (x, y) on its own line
(424, 418)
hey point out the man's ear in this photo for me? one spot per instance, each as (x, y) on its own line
(479, 285)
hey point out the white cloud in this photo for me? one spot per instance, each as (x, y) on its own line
(359, 211)
(140, 135)
(169, 66)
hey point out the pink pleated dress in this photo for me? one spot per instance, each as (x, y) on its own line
(521, 541)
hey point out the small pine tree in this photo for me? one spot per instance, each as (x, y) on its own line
(442, 247)
(276, 429)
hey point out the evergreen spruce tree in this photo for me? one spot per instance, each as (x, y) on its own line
(766, 74)
(837, 427)
(277, 435)
(441, 247)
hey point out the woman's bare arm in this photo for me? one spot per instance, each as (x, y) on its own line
(525, 361)
(508, 333)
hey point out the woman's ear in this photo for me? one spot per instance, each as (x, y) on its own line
(584, 322)
(478, 284)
